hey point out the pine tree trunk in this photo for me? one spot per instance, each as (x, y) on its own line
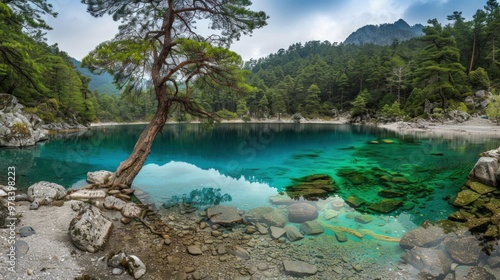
(128, 169)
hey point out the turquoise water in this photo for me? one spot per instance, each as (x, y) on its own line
(264, 158)
(246, 164)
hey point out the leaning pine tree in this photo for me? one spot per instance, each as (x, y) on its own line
(157, 40)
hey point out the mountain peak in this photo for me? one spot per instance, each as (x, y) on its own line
(384, 34)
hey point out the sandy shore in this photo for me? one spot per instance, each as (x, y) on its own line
(473, 127)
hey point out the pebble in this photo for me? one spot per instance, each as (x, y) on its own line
(117, 271)
(194, 250)
(34, 205)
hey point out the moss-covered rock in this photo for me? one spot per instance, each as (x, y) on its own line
(312, 187)
(355, 201)
(386, 205)
(465, 197)
(479, 187)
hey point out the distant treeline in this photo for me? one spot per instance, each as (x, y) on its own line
(447, 64)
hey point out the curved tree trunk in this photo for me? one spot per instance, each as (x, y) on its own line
(128, 169)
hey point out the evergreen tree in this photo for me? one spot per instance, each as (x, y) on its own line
(440, 72)
(312, 102)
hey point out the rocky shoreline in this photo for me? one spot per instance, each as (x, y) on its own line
(130, 240)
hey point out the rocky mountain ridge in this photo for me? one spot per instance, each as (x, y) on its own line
(384, 34)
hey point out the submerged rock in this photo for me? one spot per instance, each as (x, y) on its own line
(472, 273)
(277, 232)
(299, 268)
(311, 228)
(355, 201)
(464, 250)
(364, 219)
(257, 214)
(312, 187)
(386, 205)
(340, 236)
(302, 212)
(293, 233)
(390, 193)
(277, 218)
(431, 262)
(423, 237)
(224, 215)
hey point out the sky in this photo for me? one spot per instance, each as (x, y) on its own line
(290, 22)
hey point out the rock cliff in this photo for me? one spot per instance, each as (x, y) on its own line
(18, 129)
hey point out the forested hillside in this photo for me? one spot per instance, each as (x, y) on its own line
(444, 68)
(450, 62)
(42, 77)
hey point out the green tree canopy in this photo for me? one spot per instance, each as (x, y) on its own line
(157, 39)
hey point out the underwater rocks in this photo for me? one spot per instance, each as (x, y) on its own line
(432, 251)
(312, 187)
(299, 268)
(311, 228)
(224, 215)
(479, 199)
(386, 205)
(355, 201)
(431, 262)
(302, 212)
(423, 237)
(465, 250)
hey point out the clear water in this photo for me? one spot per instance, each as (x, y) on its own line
(251, 162)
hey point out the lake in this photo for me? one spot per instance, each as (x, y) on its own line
(251, 165)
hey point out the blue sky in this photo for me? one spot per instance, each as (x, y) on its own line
(291, 21)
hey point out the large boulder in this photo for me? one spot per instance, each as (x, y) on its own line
(277, 218)
(422, 237)
(485, 171)
(44, 192)
(257, 214)
(90, 230)
(18, 129)
(464, 250)
(431, 262)
(302, 212)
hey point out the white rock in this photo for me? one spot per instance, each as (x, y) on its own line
(45, 192)
(90, 230)
(88, 194)
(99, 177)
(136, 266)
(131, 210)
